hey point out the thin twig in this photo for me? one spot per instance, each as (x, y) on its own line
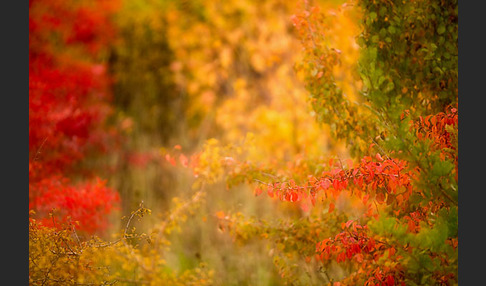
(76, 235)
(261, 182)
(40, 148)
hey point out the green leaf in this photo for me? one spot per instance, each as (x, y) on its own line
(373, 15)
(442, 168)
(441, 29)
(390, 86)
(383, 11)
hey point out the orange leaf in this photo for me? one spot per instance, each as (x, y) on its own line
(220, 214)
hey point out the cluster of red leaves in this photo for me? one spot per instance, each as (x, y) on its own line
(178, 156)
(438, 128)
(383, 180)
(376, 180)
(68, 105)
(433, 127)
(85, 24)
(141, 159)
(422, 214)
(353, 243)
(87, 203)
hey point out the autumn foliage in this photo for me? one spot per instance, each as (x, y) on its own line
(397, 231)
(403, 187)
(69, 94)
(322, 136)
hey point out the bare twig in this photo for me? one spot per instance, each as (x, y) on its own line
(75, 234)
(39, 150)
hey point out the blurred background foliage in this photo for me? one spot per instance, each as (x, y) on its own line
(187, 71)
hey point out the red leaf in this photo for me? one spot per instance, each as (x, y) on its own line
(258, 191)
(170, 159)
(331, 208)
(365, 198)
(390, 280)
(294, 196)
(336, 171)
(313, 200)
(325, 184)
(286, 197)
(335, 184)
(378, 157)
(270, 191)
(348, 223)
(341, 257)
(183, 159)
(344, 184)
(380, 198)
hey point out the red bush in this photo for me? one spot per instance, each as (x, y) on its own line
(69, 93)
